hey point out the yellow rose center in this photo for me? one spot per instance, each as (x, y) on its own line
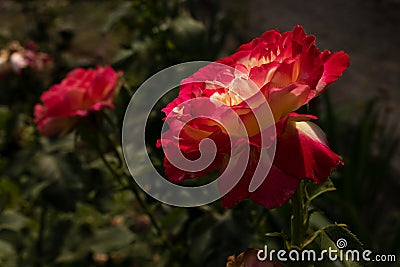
(228, 98)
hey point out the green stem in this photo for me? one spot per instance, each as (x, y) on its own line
(151, 217)
(127, 87)
(299, 218)
(131, 186)
(107, 138)
(109, 167)
(299, 222)
(139, 200)
(40, 241)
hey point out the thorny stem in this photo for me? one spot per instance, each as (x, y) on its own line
(299, 220)
(131, 186)
(139, 199)
(109, 141)
(42, 227)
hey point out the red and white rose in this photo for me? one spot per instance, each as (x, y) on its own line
(284, 71)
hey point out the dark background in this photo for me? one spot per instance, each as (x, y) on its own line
(58, 206)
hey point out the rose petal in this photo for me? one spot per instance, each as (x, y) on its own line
(282, 101)
(302, 150)
(276, 189)
(334, 65)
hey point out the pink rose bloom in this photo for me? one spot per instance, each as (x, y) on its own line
(81, 92)
(287, 71)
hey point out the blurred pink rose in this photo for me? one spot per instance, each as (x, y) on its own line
(81, 92)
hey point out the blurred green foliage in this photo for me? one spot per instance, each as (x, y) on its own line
(60, 205)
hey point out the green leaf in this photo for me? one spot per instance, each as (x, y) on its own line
(36, 189)
(12, 220)
(175, 220)
(319, 220)
(314, 190)
(116, 15)
(338, 237)
(199, 244)
(8, 255)
(6, 250)
(123, 55)
(106, 240)
(212, 240)
(4, 116)
(9, 193)
(64, 175)
(187, 33)
(277, 234)
(88, 214)
(81, 241)
(339, 231)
